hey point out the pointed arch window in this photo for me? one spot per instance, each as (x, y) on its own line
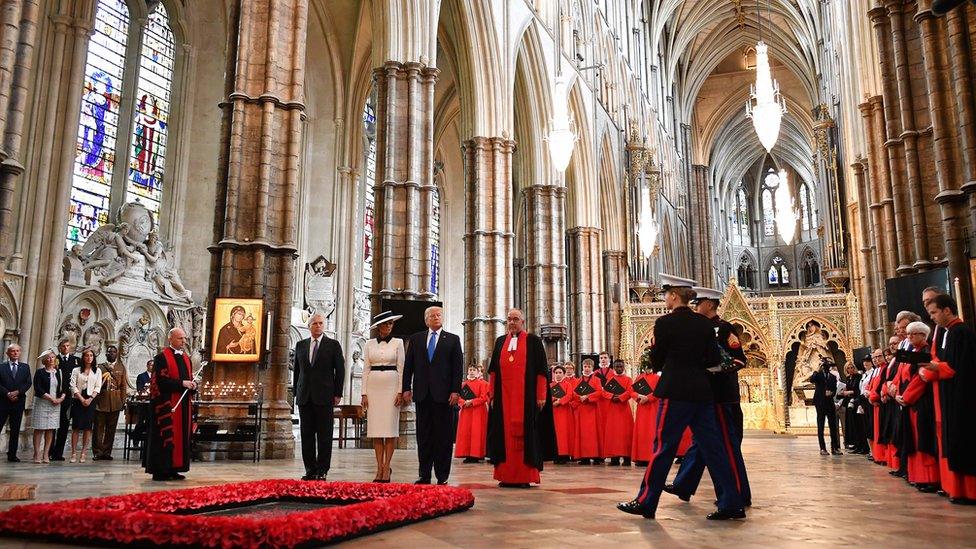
(369, 193)
(808, 207)
(811, 269)
(770, 182)
(125, 112)
(740, 218)
(778, 274)
(747, 272)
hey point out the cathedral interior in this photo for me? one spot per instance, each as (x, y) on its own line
(347, 156)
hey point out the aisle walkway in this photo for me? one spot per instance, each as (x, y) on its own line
(800, 498)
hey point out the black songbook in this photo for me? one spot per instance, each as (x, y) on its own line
(558, 391)
(642, 387)
(912, 357)
(583, 388)
(614, 388)
(467, 393)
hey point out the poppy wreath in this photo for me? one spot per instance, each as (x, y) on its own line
(165, 518)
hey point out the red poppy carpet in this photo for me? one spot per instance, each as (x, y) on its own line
(208, 516)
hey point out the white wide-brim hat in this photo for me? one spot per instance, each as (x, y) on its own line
(383, 318)
(46, 352)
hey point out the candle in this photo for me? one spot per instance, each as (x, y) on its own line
(267, 332)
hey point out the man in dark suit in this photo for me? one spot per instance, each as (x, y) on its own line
(686, 346)
(432, 377)
(825, 386)
(319, 374)
(142, 380)
(67, 362)
(15, 380)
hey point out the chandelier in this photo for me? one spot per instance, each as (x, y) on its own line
(786, 214)
(647, 230)
(765, 106)
(561, 138)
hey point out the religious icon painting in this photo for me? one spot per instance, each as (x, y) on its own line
(238, 330)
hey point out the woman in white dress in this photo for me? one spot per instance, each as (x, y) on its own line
(382, 376)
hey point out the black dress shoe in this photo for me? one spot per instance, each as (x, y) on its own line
(837, 453)
(941, 492)
(824, 452)
(584, 462)
(926, 488)
(108, 458)
(727, 515)
(942, 7)
(626, 462)
(669, 488)
(160, 478)
(962, 501)
(308, 476)
(470, 460)
(514, 485)
(97, 458)
(634, 508)
(177, 476)
(598, 461)
(679, 460)
(641, 463)
(615, 462)
(57, 458)
(442, 482)
(422, 481)
(13, 459)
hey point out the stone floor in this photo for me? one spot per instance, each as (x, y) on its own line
(800, 498)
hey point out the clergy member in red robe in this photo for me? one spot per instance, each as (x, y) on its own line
(520, 426)
(602, 371)
(168, 444)
(563, 414)
(646, 418)
(919, 445)
(472, 426)
(618, 419)
(589, 434)
(953, 370)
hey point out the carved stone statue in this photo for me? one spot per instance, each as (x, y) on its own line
(94, 337)
(192, 322)
(107, 253)
(160, 271)
(813, 348)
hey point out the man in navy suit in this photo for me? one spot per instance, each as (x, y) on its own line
(67, 362)
(142, 380)
(319, 374)
(432, 378)
(15, 380)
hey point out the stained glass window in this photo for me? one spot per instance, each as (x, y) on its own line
(769, 214)
(151, 113)
(773, 276)
(435, 243)
(778, 274)
(740, 218)
(369, 122)
(94, 163)
(812, 201)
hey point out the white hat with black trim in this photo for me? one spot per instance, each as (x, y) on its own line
(706, 293)
(384, 317)
(670, 281)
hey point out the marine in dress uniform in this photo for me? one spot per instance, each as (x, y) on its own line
(686, 346)
(725, 386)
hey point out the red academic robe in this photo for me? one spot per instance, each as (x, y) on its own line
(955, 484)
(922, 464)
(512, 364)
(168, 442)
(684, 444)
(563, 415)
(880, 449)
(589, 435)
(646, 421)
(472, 426)
(618, 421)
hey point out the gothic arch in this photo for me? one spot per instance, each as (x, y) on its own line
(611, 209)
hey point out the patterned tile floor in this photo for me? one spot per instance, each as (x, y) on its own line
(800, 499)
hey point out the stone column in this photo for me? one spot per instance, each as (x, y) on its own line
(958, 25)
(488, 243)
(701, 231)
(19, 20)
(868, 288)
(404, 180)
(615, 294)
(950, 198)
(893, 144)
(586, 291)
(909, 136)
(255, 233)
(545, 264)
(882, 202)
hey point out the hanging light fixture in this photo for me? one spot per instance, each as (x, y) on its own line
(766, 105)
(561, 139)
(786, 213)
(647, 230)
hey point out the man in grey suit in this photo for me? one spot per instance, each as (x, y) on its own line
(319, 374)
(15, 380)
(432, 377)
